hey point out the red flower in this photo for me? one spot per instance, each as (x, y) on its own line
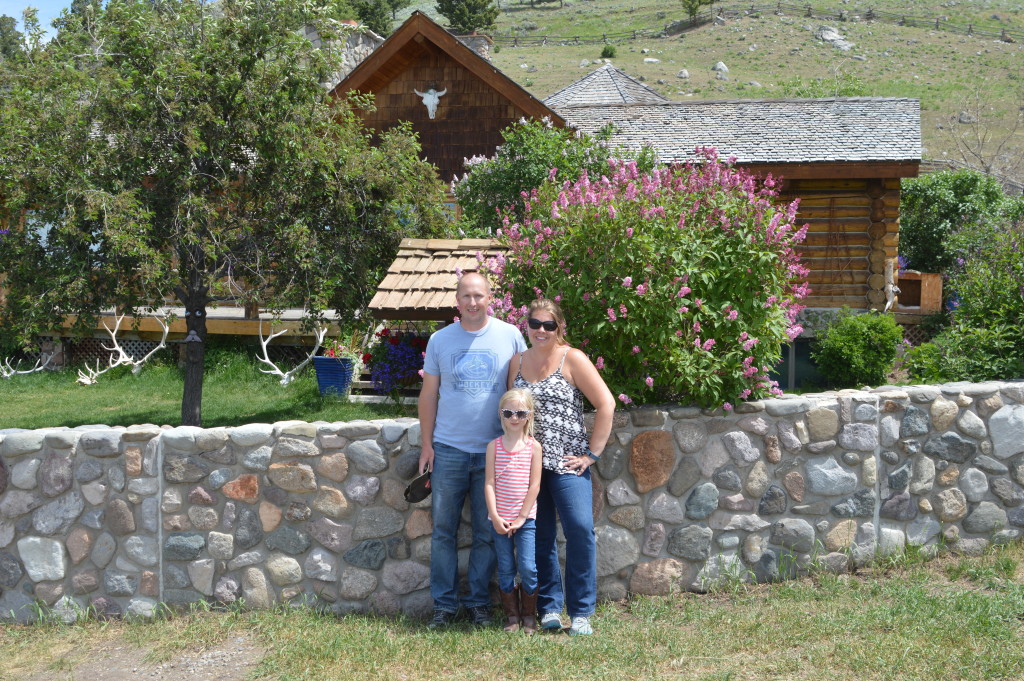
(367, 357)
(394, 341)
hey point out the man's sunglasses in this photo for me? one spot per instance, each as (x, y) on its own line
(518, 413)
(549, 325)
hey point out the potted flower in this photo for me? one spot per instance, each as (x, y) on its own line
(395, 360)
(336, 366)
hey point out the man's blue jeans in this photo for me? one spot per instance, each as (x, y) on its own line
(519, 550)
(572, 497)
(456, 475)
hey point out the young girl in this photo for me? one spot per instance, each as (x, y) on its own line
(511, 485)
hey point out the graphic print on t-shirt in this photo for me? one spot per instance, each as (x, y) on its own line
(476, 371)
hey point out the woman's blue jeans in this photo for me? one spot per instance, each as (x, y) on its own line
(571, 496)
(518, 551)
(457, 475)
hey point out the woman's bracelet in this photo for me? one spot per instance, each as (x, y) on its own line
(593, 456)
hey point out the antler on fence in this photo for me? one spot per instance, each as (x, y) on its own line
(287, 376)
(121, 357)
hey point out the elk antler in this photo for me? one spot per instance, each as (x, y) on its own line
(287, 376)
(6, 370)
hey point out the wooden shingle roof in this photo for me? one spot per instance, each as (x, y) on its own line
(771, 131)
(420, 284)
(606, 85)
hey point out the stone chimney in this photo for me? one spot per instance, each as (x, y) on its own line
(355, 42)
(481, 44)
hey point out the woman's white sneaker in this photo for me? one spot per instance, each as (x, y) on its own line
(551, 620)
(581, 627)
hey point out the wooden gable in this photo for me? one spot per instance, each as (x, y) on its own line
(478, 102)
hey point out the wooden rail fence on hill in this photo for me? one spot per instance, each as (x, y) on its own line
(703, 18)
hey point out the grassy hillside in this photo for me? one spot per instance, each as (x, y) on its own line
(770, 55)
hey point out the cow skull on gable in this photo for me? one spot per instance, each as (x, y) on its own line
(430, 99)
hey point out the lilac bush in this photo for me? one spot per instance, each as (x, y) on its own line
(681, 284)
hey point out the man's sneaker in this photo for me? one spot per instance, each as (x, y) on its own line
(551, 620)
(441, 619)
(480, 615)
(581, 627)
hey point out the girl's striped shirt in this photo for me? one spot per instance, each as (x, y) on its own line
(512, 479)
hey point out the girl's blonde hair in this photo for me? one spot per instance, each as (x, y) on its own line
(551, 307)
(523, 396)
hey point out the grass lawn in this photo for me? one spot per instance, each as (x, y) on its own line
(234, 393)
(952, 618)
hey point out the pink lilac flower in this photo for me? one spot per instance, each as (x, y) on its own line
(627, 282)
(732, 315)
(599, 363)
(611, 315)
(745, 394)
(623, 309)
(679, 333)
(629, 232)
(641, 289)
(708, 344)
(649, 381)
(696, 327)
(699, 302)
(636, 349)
(727, 406)
(683, 291)
(684, 310)
(624, 398)
(586, 297)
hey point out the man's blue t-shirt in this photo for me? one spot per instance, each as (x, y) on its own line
(473, 366)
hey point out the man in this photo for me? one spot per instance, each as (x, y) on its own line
(464, 376)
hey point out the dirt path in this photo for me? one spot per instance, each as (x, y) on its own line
(232, 660)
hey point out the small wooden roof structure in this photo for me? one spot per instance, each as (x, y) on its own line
(420, 284)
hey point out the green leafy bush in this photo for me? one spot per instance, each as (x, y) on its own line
(935, 207)
(680, 284)
(530, 149)
(857, 349)
(608, 52)
(985, 339)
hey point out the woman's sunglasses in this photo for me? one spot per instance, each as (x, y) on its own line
(549, 325)
(518, 413)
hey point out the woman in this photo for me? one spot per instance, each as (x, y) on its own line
(560, 376)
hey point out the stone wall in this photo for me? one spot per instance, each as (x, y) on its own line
(121, 519)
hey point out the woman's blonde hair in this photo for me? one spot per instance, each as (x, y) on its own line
(525, 397)
(551, 307)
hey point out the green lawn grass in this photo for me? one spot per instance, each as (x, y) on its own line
(234, 393)
(952, 618)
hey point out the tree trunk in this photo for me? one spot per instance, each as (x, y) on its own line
(195, 352)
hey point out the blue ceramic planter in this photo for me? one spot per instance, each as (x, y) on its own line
(333, 374)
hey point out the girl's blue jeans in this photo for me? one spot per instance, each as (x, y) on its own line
(518, 552)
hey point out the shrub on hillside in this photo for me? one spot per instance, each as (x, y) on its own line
(857, 349)
(680, 284)
(608, 52)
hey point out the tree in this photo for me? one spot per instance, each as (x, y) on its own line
(986, 136)
(374, 13)
(466, 16)
(396, 5)
(10, 38)
(188, 150)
